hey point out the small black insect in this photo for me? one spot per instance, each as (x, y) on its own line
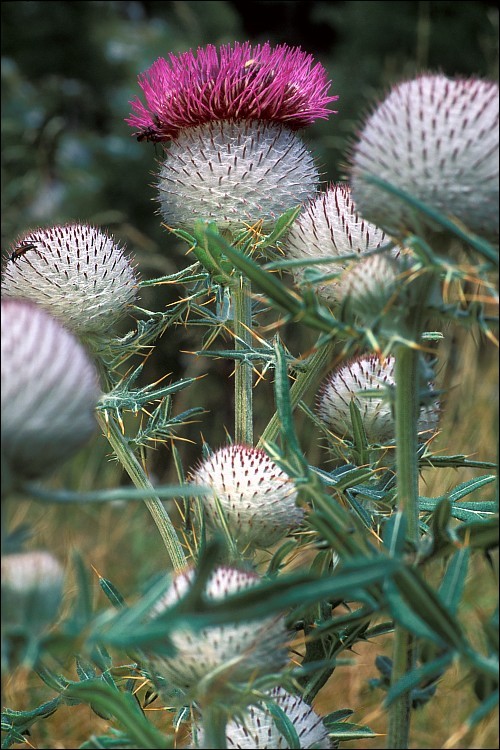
(21, 249)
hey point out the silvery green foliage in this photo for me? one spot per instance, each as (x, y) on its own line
(234, 173)
(49, 390)
(257, 727)
(257, 498)
(330, 227)
(437, 139)
(77, 272)
(347, 384)
(236, 652)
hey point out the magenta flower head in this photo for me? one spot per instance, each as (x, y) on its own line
(230, 115)
(240, 82)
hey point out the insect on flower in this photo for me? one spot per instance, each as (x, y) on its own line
(21, 249)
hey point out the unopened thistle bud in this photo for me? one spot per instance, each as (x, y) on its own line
(230, 114)
(436, 139)
(257, 498)
(257, 727)
(77, 272)
(32, 587)
(349, 382)
(49, 390)
(236, 651)
(330, 227)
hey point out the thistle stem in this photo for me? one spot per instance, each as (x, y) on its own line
(214, 727)
(243, 380)
(140, 480)
(407, 410)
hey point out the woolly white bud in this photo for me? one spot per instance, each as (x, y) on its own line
(330, 227)
(371, 285)
(240, 651)
(436, 139)
(348, 383)
(32, 585)
(49, 390)
(234, 173)
(76, 272)
(257, 498)
(258, 729)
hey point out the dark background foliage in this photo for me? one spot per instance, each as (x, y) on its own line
(69, 71)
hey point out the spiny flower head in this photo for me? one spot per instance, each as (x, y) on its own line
(258, 729)
(437, 139)
(330, 226)
(235, 82)
(77, 272)
(234, 173)
(240, 651)
(49, 390)
(257, 498)
(347, 384)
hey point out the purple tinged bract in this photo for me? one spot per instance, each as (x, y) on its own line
(232, 82)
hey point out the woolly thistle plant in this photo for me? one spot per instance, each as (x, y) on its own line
(257, 728)
(330, 227)
(257, 499)
(230, 115)
(227, 653)
(436, 139)
(49, 390)
(367, 375)
(77, 272)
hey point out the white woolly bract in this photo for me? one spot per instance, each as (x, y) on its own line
(49, 390)
(370, 285)
(331, 227)
(37, 569)
(32, 587)
(437, 139)
(235, 174)
(257, 498)
(258, 728)
(347, 384)
(241, 651)
(76, 272)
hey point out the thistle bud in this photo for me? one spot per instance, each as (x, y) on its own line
(49, 390)
(436, 139)
(32, 586)
(330, 227)
(348, 383)
(76, 272)
(257, 727)
(257, 498)
(237, 651)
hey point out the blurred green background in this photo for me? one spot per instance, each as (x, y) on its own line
(69, 71)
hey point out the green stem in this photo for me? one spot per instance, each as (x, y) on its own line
(214, 727)
(407, 410)
(303, 382)
(140, 480)
(243, 380)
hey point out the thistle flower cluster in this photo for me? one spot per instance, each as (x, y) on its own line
(233, 653)
(330, 227)
(258, 728)
(257, 498)
(76, 272)
(231, 115)
(49, 390)
(436, 139)
(361, 380)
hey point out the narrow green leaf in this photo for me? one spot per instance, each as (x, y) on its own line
(431, 670)
(453, 583)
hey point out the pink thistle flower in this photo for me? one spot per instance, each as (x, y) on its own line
(240, 82)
